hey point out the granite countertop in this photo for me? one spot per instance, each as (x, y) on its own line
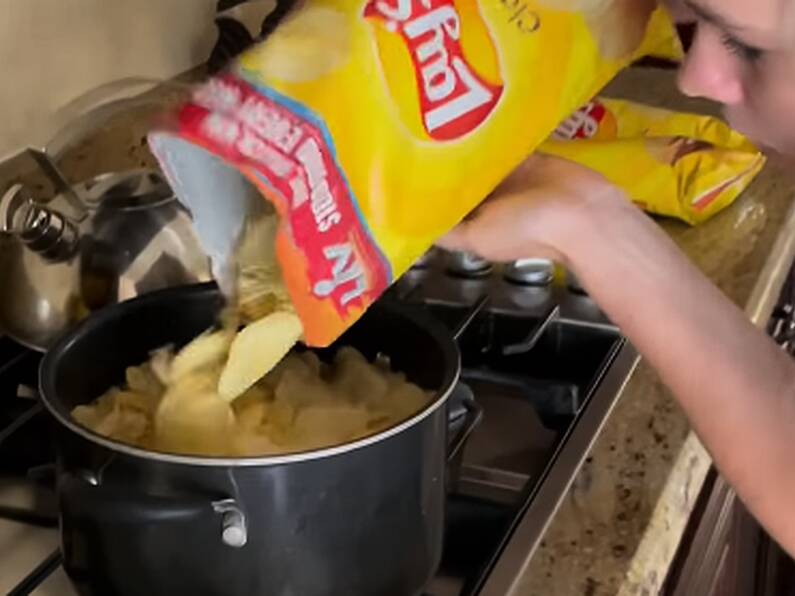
(618, 528)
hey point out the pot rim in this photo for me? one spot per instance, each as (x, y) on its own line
(46, 389)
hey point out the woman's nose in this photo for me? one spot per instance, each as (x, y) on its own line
(711, 70)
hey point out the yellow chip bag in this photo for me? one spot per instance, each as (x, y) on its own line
(678, 165)
(374, 126)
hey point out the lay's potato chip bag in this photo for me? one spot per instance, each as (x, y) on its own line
(374, 126)
(678, 165)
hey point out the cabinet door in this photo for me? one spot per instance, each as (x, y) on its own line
(737, 569)
(718, 553)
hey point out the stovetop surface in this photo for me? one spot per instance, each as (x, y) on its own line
(538, 360)
(534, 357)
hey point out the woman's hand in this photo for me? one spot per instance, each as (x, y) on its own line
(536, 212)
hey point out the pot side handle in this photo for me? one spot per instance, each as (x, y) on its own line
(81, 498)
(473, 416)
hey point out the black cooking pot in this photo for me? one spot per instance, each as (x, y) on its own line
(362, 519)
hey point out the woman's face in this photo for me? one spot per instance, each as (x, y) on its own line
(743, 56)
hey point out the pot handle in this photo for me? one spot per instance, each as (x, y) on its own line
(473, 417)
(84, 497)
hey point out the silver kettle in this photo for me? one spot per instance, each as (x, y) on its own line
(96, 243)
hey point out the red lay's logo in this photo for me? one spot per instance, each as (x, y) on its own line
(592, 121)
(454, 99)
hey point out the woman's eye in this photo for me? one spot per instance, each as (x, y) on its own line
(744, 51)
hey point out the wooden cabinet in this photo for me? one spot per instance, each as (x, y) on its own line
(725, 552)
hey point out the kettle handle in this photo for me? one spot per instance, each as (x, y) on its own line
(59, 181)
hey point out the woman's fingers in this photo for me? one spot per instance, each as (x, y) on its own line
(531, 213)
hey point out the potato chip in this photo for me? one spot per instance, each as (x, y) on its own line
(208, 349)
(260, 290)
(256, 350)
(302, 404)
(143, 380)
(250, 444)
(86, 415)
(310, 45)
(160, 364)
(252, 407)
(357, 377)
(191, 418)
(323, 425)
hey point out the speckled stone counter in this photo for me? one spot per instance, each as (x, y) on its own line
(618, 528)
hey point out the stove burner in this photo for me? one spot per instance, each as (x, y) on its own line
(535, 335)
(36, 577)
(530, 272)
(468, 265)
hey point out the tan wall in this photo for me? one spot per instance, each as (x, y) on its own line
(52, 51)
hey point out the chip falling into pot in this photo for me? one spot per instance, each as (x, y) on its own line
(262, 304)
(219, 366)
(256, 349)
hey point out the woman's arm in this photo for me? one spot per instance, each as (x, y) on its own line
(736, 386)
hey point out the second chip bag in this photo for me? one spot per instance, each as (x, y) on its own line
(686, 166)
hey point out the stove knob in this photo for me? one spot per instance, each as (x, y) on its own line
(464, 264)
(530, 272)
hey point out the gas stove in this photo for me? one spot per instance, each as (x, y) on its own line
(545, 368)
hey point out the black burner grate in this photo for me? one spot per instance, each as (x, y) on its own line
(39, 575)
